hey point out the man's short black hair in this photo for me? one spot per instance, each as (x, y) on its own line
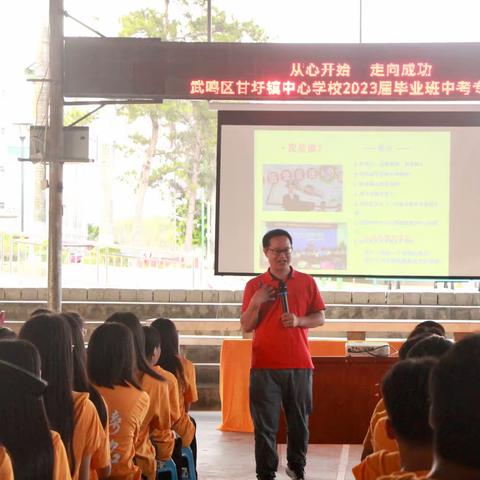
(277, 232)
(406, 397)
(455, 393)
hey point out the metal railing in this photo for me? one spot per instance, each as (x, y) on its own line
(89, 264)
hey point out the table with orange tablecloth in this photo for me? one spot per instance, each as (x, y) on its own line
(235, 360)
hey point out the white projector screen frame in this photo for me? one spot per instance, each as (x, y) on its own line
(395, 194)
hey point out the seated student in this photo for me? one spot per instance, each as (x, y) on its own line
(152, 353)
(184, 371)
(156, 438)
(36, 451)
(420, 346)
(379, 412)
(70, 413)
(100, 466)
(455, 413)
(112, 367)
(421, 330)
(153, 345)
(406, 397)
(382, 460)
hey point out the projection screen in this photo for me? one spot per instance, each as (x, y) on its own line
(374, 194)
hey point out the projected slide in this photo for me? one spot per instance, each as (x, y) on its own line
(387, 192)
(392, 201)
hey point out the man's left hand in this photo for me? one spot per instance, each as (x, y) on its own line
(289, 320)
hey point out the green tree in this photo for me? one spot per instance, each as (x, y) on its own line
(185, 160)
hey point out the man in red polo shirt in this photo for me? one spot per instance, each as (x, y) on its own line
(281, 372)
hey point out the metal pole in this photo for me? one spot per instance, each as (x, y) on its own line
(22, 186)
(360, 20)
(54, 156)
(209, 20)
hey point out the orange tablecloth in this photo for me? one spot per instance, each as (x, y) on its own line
(235, 359)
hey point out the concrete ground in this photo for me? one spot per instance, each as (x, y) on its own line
(230, 456)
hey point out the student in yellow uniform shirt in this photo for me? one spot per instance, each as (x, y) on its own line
(70, 413)
(112, 368)
(36, 452)
(156, 439)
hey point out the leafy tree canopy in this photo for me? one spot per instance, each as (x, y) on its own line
(184, 158)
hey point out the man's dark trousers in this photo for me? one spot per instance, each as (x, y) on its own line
(269, 390)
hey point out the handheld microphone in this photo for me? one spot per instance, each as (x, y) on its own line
(282, 291)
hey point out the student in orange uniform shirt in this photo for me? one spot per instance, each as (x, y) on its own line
(370, 444)
(100, 466)
(111, 366)
(153, 345)
(425, 345)
(156, 438)
(184, 371)
(455, 394)
(70, 413)
(36, 452)
(385, 461)
(405, 392)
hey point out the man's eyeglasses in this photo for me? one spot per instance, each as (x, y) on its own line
(277, 251)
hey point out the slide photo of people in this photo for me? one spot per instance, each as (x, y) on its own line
(317, 247)
(302, 188)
